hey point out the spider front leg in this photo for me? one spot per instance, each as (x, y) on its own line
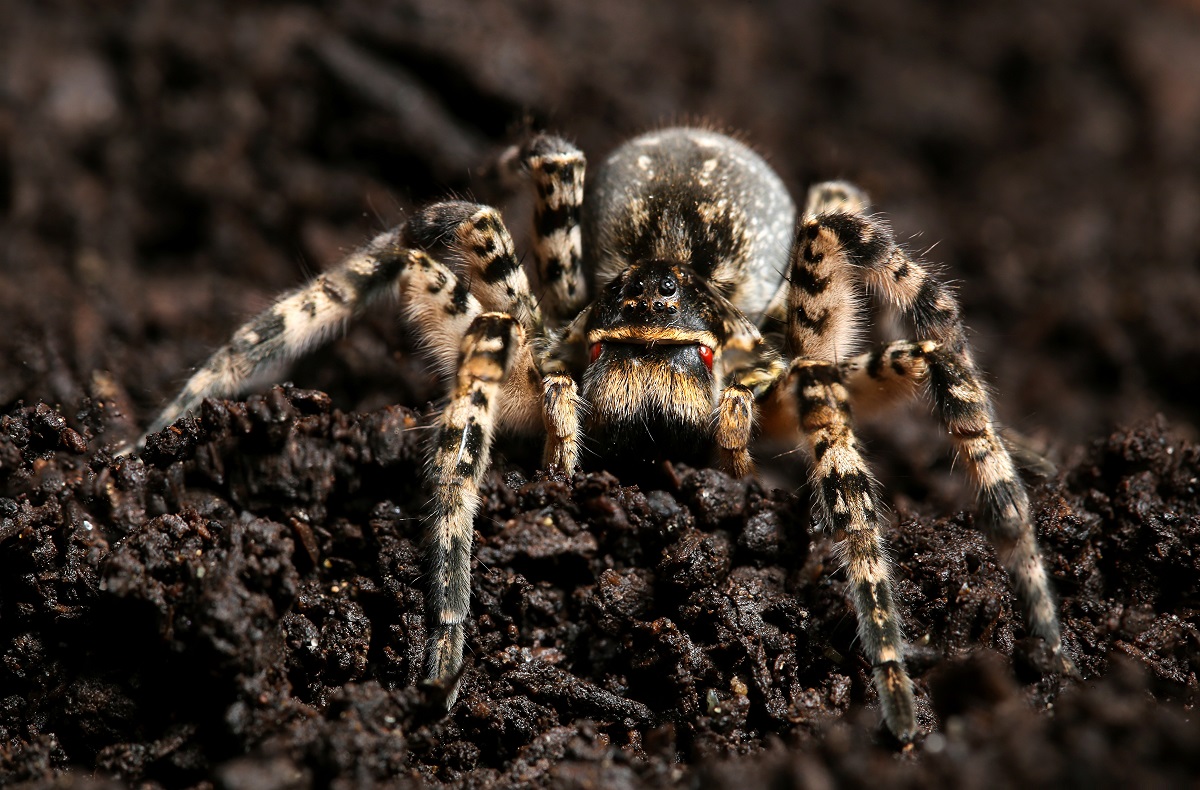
(822, 321)
(848, 500)
(886, 376)
(307, 316)
(560, 410)
(497, 382)
(477, 234)
(461, 455)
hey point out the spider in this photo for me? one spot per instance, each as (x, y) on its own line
(683, 304)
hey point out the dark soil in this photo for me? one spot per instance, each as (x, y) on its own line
(241, 605)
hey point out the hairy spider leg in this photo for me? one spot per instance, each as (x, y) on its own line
(463, 444)
(477, 234)
(498, 383)
(561, 410)
(735, 428)
(556, 169)
(886, 375)
(531, 401)
(835, 197)
(822, 324)
(849, 504)
(293, 324)
(961, 401)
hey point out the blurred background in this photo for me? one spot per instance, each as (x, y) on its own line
(167, 167)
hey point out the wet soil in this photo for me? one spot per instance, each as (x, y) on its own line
(241, 604)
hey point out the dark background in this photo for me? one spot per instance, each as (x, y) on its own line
(167, 167)
(171, 165)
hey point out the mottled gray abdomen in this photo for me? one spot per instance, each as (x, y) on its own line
(697, 197)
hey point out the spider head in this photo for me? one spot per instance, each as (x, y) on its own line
(657, 336)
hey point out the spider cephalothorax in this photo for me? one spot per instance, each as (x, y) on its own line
(715, 307)
(657, 336)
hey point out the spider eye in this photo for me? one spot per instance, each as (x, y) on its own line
(594, 352)
(706, 356)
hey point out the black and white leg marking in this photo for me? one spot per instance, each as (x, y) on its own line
(823, 311)
(561, 408)
(886, 376)
(556, 168)
(463, 449)
(295, 323)
(734, 429)
(961, 402)
(827, 197)
(849, 505)
(835, 197)
(477, 234)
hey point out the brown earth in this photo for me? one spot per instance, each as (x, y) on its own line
(241, 606)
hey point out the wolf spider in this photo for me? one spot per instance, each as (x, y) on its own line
(681, 303)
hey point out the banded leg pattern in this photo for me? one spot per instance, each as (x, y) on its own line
(835, 197)
(556, 168)
(560, 412)
(887, 375)
(1004, 503)
(848, 500)
(823, 313)
(963, 406)
(295, 323)
(825, 198)
(478, 235)
(463, 449)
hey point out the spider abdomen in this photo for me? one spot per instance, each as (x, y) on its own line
(697, 197)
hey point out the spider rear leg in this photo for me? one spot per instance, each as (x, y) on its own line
(556, 168)
(848, 500)
(461, 456)
(961, 402)
(965, 409)
(830, 197)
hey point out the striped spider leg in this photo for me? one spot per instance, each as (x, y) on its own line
(481, 327)
(837, 252)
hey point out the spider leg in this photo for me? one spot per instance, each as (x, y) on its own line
(822, 322)
(297, 321)
(824, 198)
(556, 168)
(823, 302)
(497, 383)
(886, 375)
(848, 500)
(477, 234)
(829, 197)
(461, 456)
(961, 401)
